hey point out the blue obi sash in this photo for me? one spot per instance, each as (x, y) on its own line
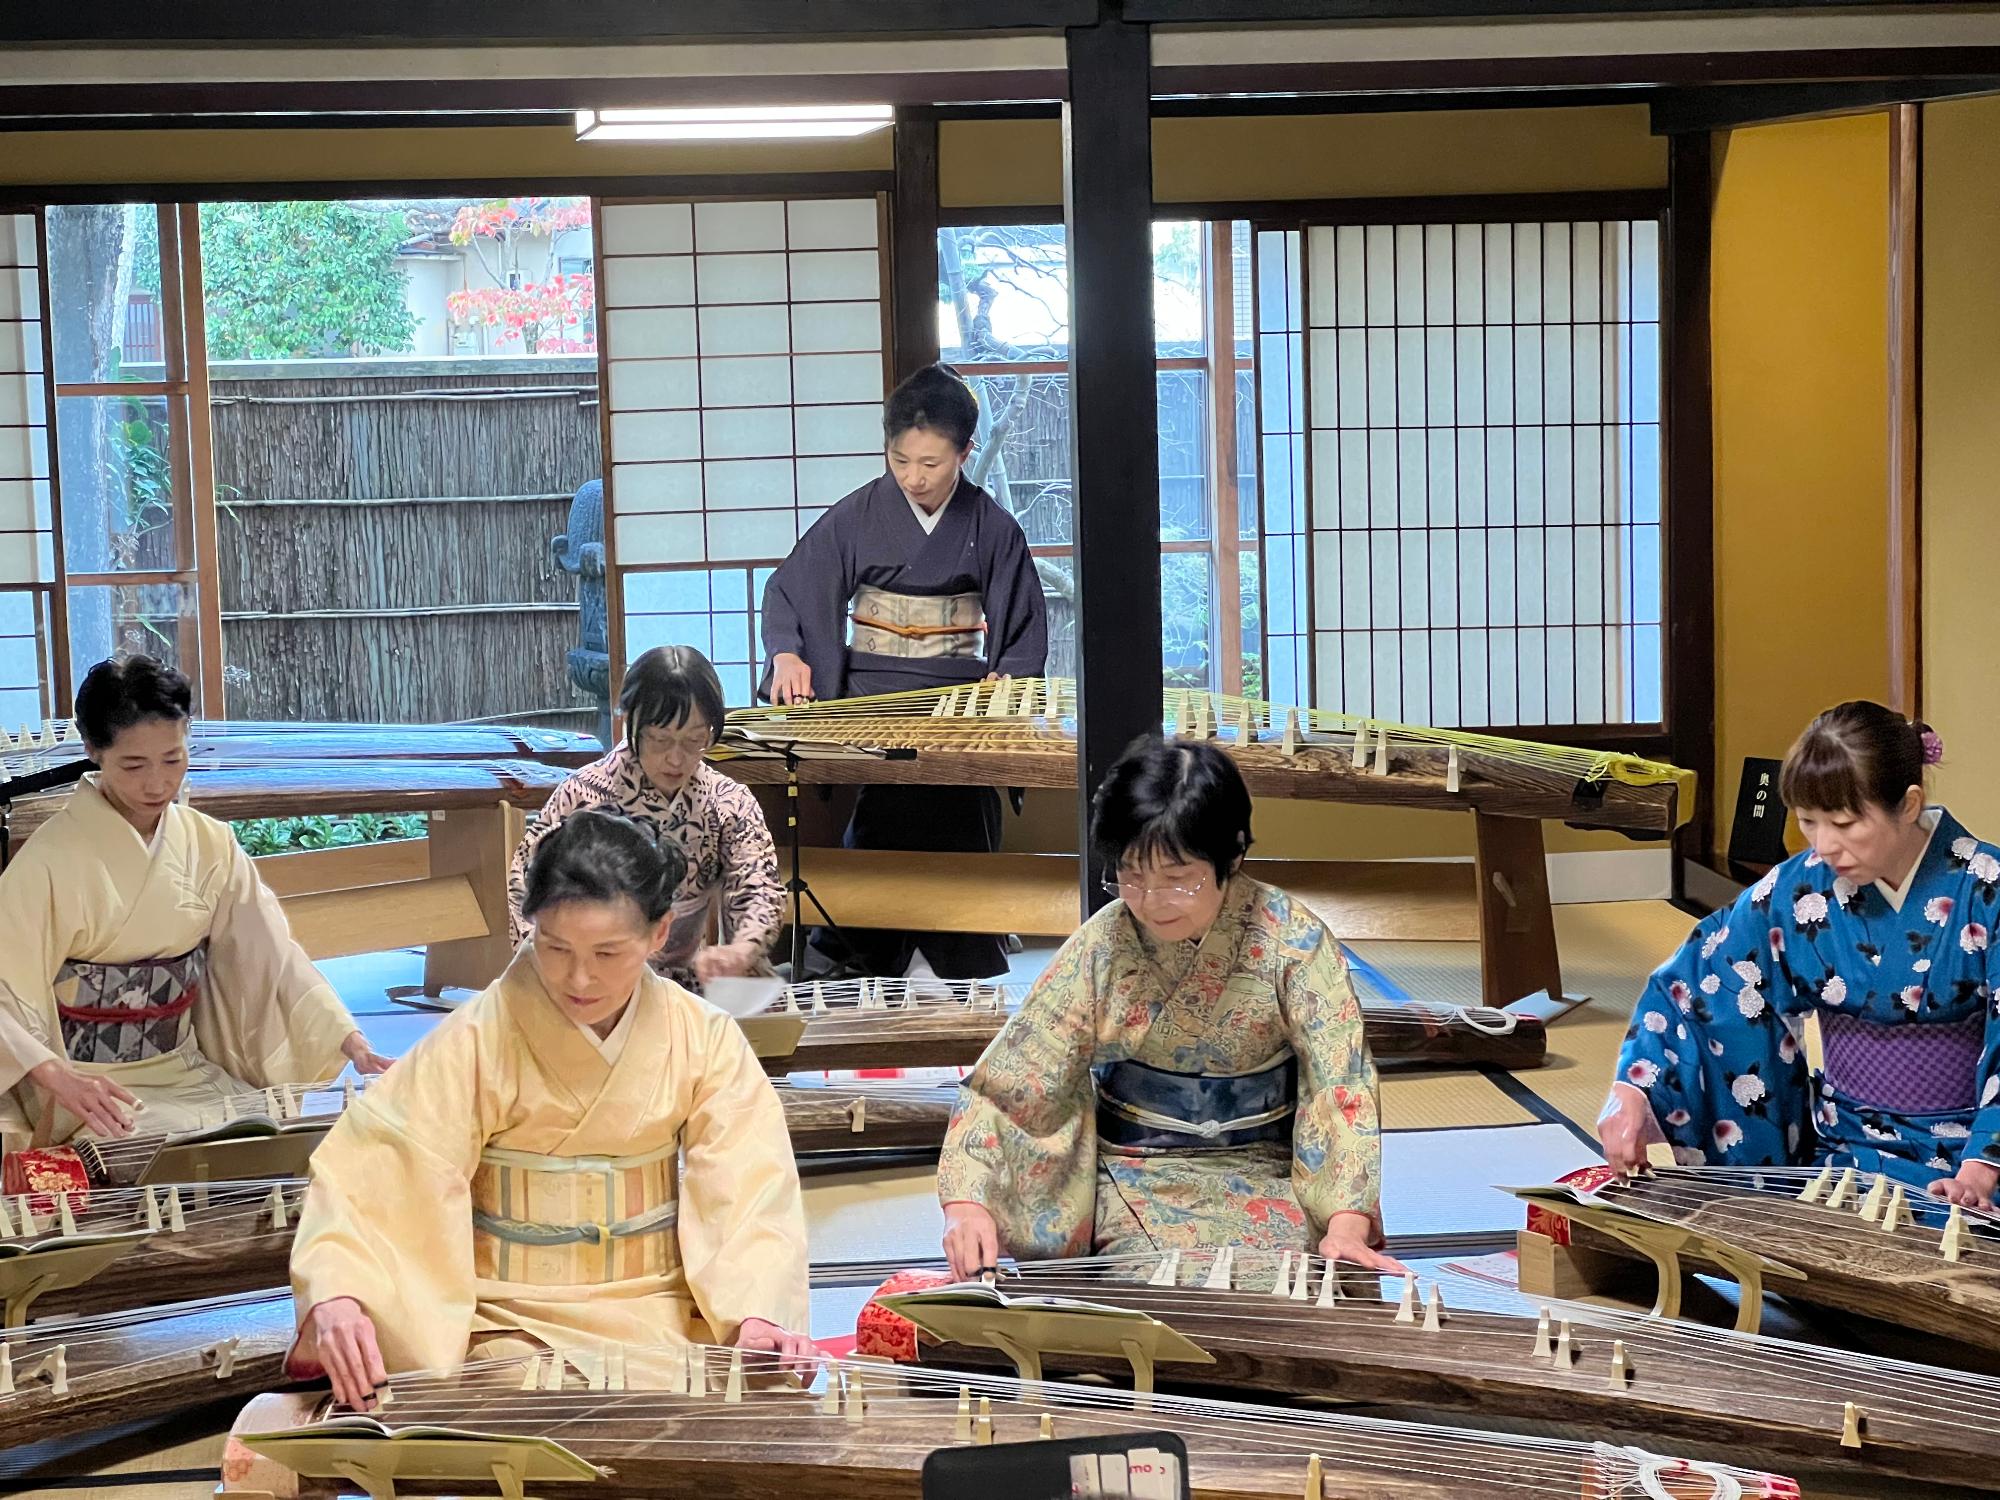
(1150, 1109)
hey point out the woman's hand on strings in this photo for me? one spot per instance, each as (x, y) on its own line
(364, 1057)
(1626, 1127)
(794, 1350)
(98, 1102)
(1971, 1188)
(725, 960)
(971, 1240)
(1350, 1237)
(340, 1338)
(791, 678)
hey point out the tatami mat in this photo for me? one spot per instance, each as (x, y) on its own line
(1435, 1101)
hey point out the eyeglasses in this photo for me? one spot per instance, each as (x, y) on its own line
(686, 744)
(1132, 893)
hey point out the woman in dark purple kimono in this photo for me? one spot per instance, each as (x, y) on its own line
(919, 579)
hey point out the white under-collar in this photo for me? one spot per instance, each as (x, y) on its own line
(928, 519)
(612, 1047)
(1897, 895)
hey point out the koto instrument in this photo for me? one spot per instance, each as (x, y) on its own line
(720, 1430)
(1279, 1323)
(95, 1372)
(1855, 1241)
(935, 1023)
(1022, 732)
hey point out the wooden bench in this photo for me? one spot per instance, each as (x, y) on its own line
(1037, 895)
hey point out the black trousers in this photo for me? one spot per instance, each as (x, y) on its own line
(924, 819)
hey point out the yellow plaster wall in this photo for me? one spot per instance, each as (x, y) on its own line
(1800, 330)
(1015, 163)
(1961, 448)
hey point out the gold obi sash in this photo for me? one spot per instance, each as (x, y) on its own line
(918, 625)
(575, 1220)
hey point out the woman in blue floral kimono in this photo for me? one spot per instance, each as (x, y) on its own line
(1882, 931)
(1190, 1071)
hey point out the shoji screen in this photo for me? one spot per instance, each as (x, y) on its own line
(27, 544)
(742, 355)
(1482, 471)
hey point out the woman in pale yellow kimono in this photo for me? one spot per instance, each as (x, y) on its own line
(144, 965)
(1189, 1072)
(584, 1155)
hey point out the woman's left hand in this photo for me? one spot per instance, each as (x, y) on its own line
(725, 960)
(1347, 1239)
(1971, 1188)
(365, 1058)
(794, 1350)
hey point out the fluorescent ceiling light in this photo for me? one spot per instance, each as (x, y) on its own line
(789, 122)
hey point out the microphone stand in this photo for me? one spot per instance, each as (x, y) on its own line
(801, 891)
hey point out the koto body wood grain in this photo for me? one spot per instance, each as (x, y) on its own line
(1849, 1264)
(150, 1367)
(1687, 1393)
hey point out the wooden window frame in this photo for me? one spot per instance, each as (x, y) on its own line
(190, 460)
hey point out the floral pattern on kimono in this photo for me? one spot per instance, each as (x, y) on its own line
(732, 864)
(1716, 1040)
(1267, 978)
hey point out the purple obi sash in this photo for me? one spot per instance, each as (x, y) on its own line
(121, 1013)
(1916, 1068)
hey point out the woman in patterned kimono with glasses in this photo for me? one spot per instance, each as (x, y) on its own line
(671, 707)
(1190, 1071)
(144, 964)
(1881, 933)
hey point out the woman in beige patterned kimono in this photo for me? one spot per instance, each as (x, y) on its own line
(143, 962)
(584, 1155)
(1190, 1071)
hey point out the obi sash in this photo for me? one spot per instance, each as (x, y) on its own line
(575, 1220)
(126, 1013)
(1140, 1108)
(917, 625)
(1914, 1068)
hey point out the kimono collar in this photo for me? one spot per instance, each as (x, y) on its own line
(113, 836)
(602, 1094)
(1937, 855)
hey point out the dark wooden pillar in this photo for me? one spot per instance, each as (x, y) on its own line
(913, 257)
(1690, 489)
(1114, 453)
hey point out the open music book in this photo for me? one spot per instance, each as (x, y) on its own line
(249, 1127)
(986, 1294)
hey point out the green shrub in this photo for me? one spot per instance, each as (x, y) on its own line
(260, 836)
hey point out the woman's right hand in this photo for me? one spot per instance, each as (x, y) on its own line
(98, 1102)
(971, 1240)
(791, 679)
(340, 1338)
(1626, 1127)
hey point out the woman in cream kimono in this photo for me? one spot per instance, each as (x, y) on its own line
(584, 1155)
(1190, 1071)
(143, 963)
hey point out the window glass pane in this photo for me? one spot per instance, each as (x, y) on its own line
(118, 492)
(104, 291)
(1003, 292)
(108, 620)
(405, 423)
(1187, 606)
